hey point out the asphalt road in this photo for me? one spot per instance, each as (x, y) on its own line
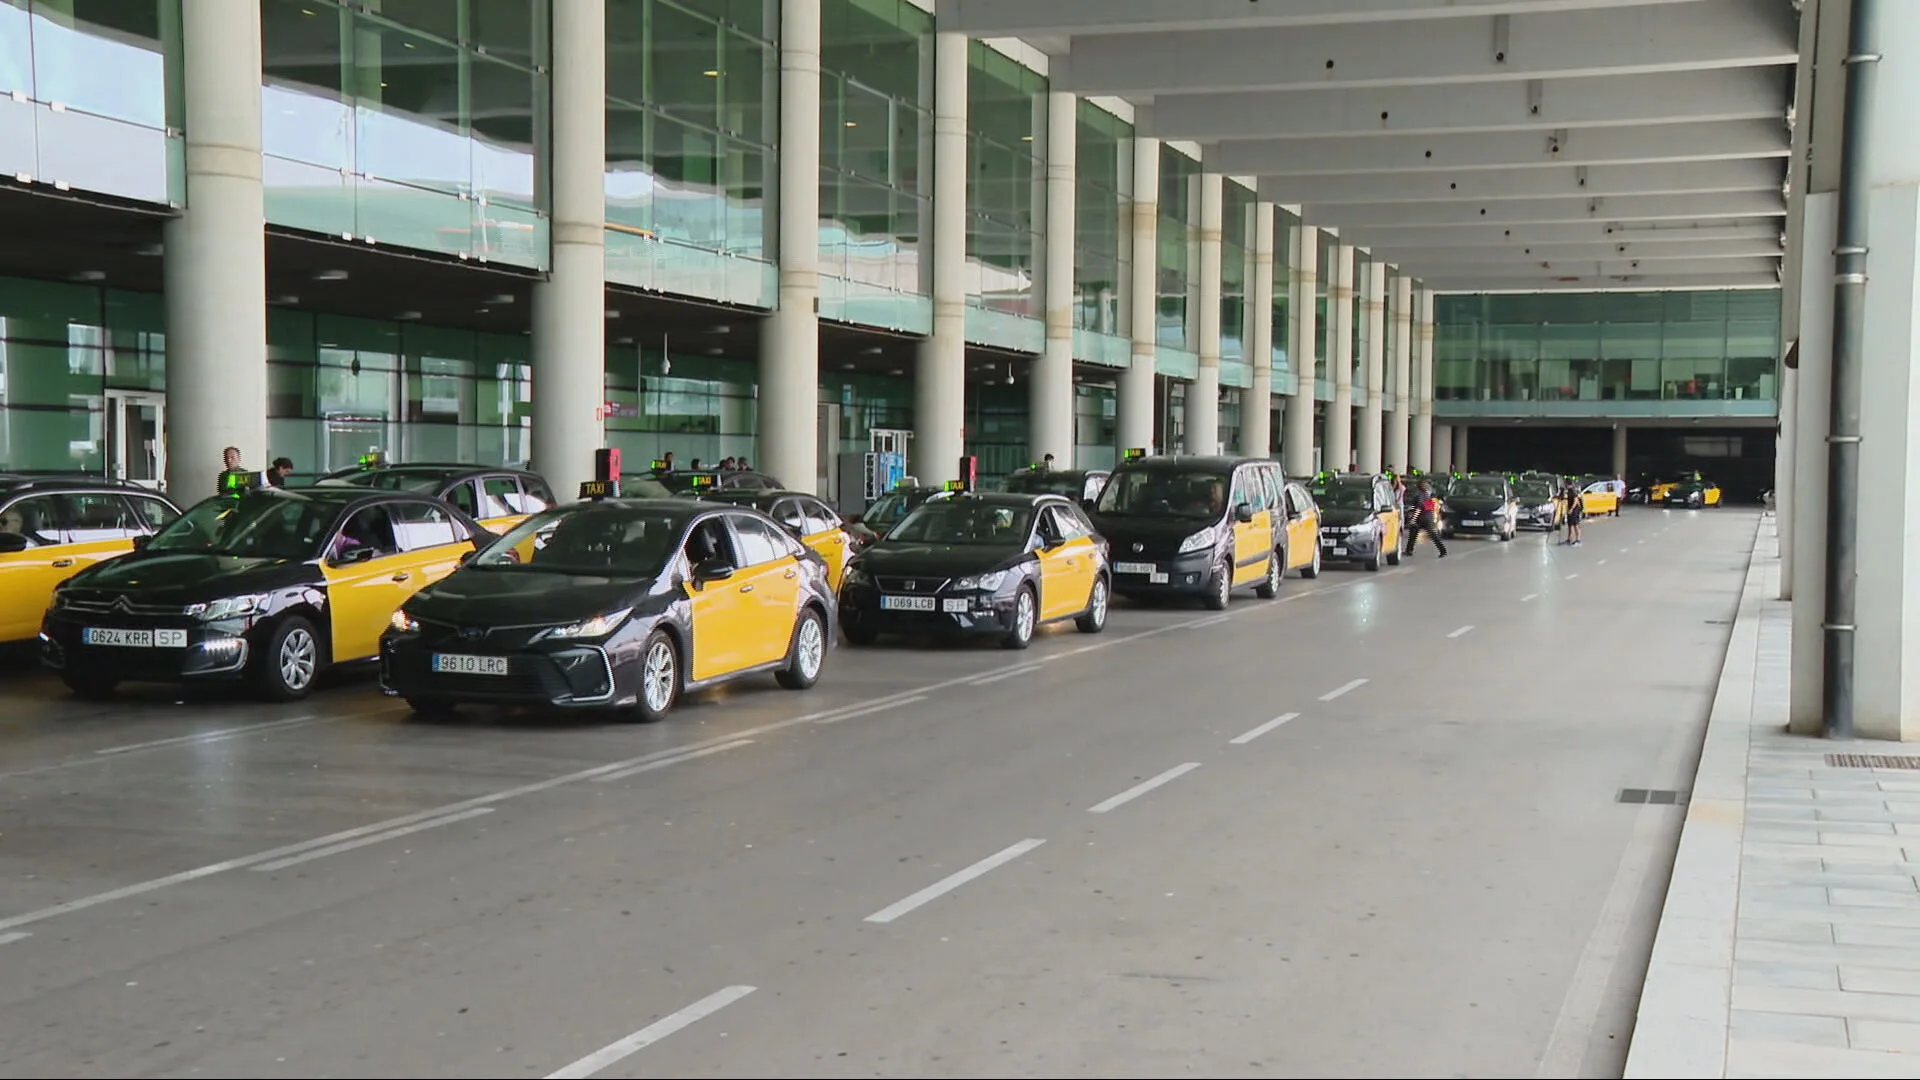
(1369, 830)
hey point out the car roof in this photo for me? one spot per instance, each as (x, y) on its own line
(1222, 462)
(751, 496)
(22, 482)
(678, 506)
(1013, 498)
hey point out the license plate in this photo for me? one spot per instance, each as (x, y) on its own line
(451, 664)
(1157, 579)
(954, 607)
(907, 603)
(126, 639)
(1339, 550)
(1133, 568)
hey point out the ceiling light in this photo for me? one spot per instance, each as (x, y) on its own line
(612, 314)
(90, 275)
(723, 328)
(897, 371)
(329, 275)
(711, 74)
(407, 316)
(1026, 138)
(716, 351)
(500, 298)
(852, 124)
(872, 350)
(846, 367)
(287, 298)
(150, 250)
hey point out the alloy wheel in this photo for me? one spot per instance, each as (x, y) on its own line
(298, 658)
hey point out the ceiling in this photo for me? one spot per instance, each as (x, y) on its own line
(1481, 145)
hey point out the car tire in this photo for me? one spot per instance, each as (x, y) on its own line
(433, 710)
(1094, 619)
(1026, 620)
(1313, 570)
(807, 655)
(90, 687)
(1276, 573)
(1373, 564)
(1506, 535)
(1220, 588)
(285, 670)
(1393, 557)
(857, 635)
(660, 680)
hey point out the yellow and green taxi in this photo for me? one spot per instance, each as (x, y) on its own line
(1360, 521)
(270, 586)
(497, 497)
(1693, 494)
(54, 526)
(1196, 526)
(1599, 496)
(807, 518)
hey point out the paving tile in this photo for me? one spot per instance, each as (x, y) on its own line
(1799, 931)
(1837, 914)
(1763, 892)
(1880, 937)
(1694, 942)
(1840, 1003)
(1847, 839)
(1886, 1035)
(1908, 899)
(1867, 979)
(1791, 976)
(1690, 992)
(1778, 1059)
(1666, 1046)
(1807, 952)
(1760, 879)
(1782, 1027)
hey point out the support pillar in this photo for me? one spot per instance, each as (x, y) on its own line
(1785, 462)
(1620, 451)
(940, 382)
(789, 415)
(216, 257)
(1460, 433)
(1811, 425)
(1133, 411)
(1256, 408)
(1303, 283)
(1443, 448)
(1203, 397)
(1401, 312)
(1338, 453)
(1422, 451)
(1051, 403)
(1374, 309)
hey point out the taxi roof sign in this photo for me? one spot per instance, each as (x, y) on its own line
(954, 485)
(1133, 453)
(600, 489)
(659, 464)
(700, 480)
(374, 459)
(237, 483)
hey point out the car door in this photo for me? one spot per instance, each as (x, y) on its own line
(364, 590)
(1598, 498)
(100, 526)
(435, 539)
(719, 613)
(504, 503)
(33, 525)
(1253, 540)
(769, 584)
(1049, 546)
(826, 534)
(1303, 527)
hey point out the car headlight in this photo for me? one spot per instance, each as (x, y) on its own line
(857, 575)
(1201, 540)
(983, 582)
(598, 626)
(231, 607)
(404, 622)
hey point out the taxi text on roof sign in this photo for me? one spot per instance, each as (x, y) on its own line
(698, 481)
(659, 465)
(237, 483)
(375, 460)
(954, 485)
(600, 489)
(1134, 453)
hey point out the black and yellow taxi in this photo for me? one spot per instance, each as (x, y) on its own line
(1081, 485)
(269, 586)
(1693, 494)
(618, 604)
(685, 482)
(53, 526)
(980, 563)
(1196, 526)
(1599, 495)
(1538, 504)
(806, 518)
(1360, 521)
(1482, 505)
(891, 509)
(1302, 512)
(496, 496)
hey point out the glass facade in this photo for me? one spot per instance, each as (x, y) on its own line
(876, 131)
(1179, 244)
(1006, 199)
(1103, 236)
(413, 124)
(90, 96)
(1236, 268)
(1284, 222)
(692, 125)
(1720, 346)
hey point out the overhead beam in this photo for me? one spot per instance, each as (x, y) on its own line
(1024, 18)
(1641, 234)
(1703, 34)
(1610, 268)
(1736, 204)
(1534, 254)
(1597, 284)
(1603, 101)
(1728, 141)
(1758, 174)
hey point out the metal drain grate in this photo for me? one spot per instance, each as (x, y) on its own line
(1872, 761)
(1647, 797)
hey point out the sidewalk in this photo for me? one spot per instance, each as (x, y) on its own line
(1789, 945)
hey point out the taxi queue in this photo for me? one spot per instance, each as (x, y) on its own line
(468, 584)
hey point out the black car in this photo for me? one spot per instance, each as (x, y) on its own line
(980, 563)
(1195, 526)
(1360, 522)
(270, 586)
(1482, 506)
(681, 482)
(1081, 485)
(891, 509)
(498, 497)
(617, 604)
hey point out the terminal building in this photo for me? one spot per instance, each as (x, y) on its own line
(511, 231)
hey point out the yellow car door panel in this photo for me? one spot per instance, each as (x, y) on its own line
(766, 595)
(831, 546)
(1086, 570)
(714, 608)
(27, 580)
(361, 599)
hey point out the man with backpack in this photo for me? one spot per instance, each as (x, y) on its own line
(1424, 510)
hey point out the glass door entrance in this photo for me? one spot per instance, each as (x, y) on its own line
(137, 437)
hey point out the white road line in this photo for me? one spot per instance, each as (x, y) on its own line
(953, 881)
(1211, 620)
(1142, 788)
(1573, 575)
(1623, 551)
(214, 736)
(1344, 690)
(18, 935)
(367, 841)
(1463, 631)
(1000, 676)
(871, 709)
(619, 1051)
(664, 762)
(1602, 562)
(1242, 740)
(1530, 596)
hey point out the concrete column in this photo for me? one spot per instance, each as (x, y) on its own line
(1886, 663)
(1619, 450)
(1203, 397)
(1051, 403)
(1784, 466)
(1339, 449)
(1256, 406)
(1460, 433)
(1303, 283)
(1374, 310)
(1422, 450)
(940, 383)
(1807, 675)
(1133, 411)
(790, 343)
(1443, 448)
(1401, 312)
(216, 256)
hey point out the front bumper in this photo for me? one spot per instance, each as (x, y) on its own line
(1486, 526)
(862, 610)
(164, 649)
(1349, 547)
(573, 676)
(1178, 575)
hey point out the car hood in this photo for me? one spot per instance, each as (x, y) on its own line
(1344, 517)
(162, 577)
(1120, 529)
(522, 596)
(1477, 503)
(896, 559)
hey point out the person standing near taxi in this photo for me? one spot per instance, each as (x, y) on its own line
(1576, 511)
(1424, 508)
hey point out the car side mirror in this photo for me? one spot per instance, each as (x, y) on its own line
(11, 543)
(793, 530)
(140, 542)
(711, 570)
(1243, 513)
(467, 556)
(352, 555)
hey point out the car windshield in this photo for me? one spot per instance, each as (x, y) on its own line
(1537, 493)
(264, 525)
(965, 521)
(418, 482)
(889, 510)
(1479, 489)
(1348, 497)
(1200, 494)
(603, 540)
(1047, 483)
